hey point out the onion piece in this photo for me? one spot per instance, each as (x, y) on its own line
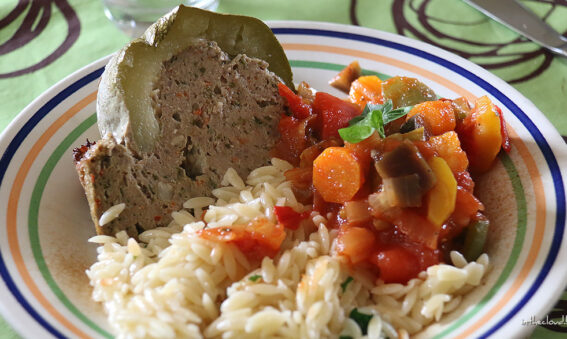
(357, 211)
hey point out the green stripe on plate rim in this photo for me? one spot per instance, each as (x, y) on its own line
(33, 217)
(332, 67)
(522, 218)
(41, 182)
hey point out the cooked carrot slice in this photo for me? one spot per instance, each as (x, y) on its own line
(337, 174)
(439, 115)
(448, 147)
(366, 89)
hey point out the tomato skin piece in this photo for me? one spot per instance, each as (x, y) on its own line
(300, 109)
(356, 243)
(506, 146)
(396, 264)
(333, 114)
(289, 218)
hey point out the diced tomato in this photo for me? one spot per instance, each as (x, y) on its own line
(466, 207)
(413, 224)
(356, 243)
(417, 255)
(293, 139)
(465, 181)
(396, 264)
(258, 239)
(289, 218)
(333, 114)
(300, 109)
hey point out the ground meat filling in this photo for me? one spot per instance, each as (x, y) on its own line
(209, 106)
(215, 112)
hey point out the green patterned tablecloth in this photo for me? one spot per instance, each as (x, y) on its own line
(43, 41)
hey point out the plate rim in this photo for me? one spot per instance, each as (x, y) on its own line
(30, 110)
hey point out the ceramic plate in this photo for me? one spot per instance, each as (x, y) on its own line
(46, 223)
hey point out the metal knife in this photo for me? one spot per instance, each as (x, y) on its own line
(515, 16)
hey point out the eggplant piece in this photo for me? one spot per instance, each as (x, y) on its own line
(405, 91)
(406, 176)
(344, 79)
(418, 134)
(404, 191)
(462, 108)
(416, 122)
(414, 135)
(406, 160)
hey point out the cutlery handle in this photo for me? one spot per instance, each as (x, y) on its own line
(514, 15)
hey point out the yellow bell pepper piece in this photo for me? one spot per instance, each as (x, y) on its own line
(442, 197)
(485, 139)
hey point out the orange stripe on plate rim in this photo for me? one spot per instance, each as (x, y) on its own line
(11, 215)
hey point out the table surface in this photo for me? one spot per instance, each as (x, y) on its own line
(42, 41)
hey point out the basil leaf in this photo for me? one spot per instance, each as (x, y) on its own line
(373, 118)
(356, 120)
(378, 122)
(362, 319)
(356, 133)
(395, 114)
(345, 283)
(387, 106)
(374, 107)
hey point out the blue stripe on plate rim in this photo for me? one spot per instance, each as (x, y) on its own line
(5, 162)
(532, 128)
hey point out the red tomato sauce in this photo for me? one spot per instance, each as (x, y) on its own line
(394, 237)
(401, 196)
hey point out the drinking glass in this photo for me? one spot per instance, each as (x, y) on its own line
(133, 17)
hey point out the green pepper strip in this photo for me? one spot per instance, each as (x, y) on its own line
(475, 239)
